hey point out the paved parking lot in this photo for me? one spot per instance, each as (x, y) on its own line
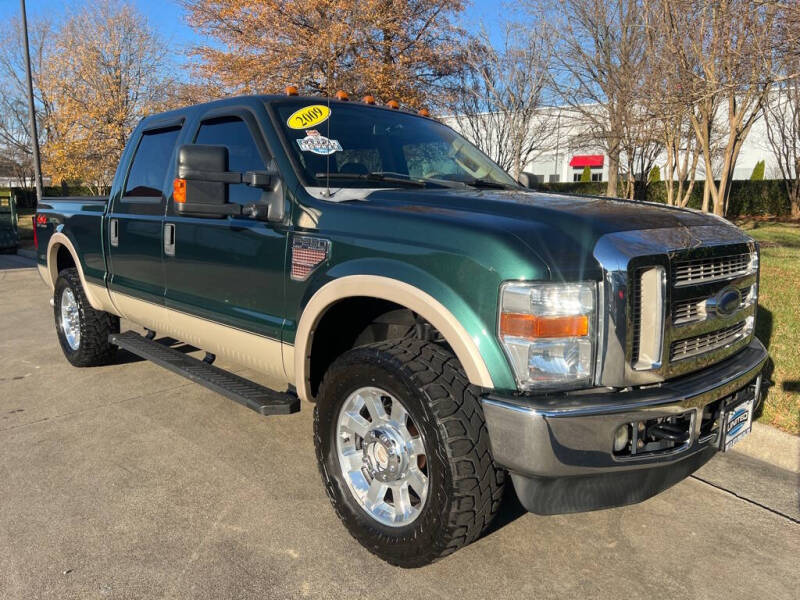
(130, 482)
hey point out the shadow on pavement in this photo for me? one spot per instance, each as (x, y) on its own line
(510, 510)
(9, 261)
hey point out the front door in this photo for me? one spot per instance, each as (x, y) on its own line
(229, 270)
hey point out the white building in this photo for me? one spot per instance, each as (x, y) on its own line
(569, 149)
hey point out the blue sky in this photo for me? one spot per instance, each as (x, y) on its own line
(168, 17)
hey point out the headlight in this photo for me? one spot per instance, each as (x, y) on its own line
(547, 331)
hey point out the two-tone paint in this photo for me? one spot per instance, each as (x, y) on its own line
(441, 253)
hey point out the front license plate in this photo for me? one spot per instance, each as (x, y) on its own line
(737, 423)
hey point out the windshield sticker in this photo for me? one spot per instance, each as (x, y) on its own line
(308, 116)
(318, 144)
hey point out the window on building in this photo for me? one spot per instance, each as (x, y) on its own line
(597, 176)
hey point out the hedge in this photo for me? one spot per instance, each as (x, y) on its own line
(748, 198)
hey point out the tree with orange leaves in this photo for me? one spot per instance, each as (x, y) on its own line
(393, 49)
(107, 68)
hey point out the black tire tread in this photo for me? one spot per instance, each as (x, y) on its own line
(96, 326)
(477, 485)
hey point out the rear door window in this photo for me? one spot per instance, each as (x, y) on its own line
(150, 164)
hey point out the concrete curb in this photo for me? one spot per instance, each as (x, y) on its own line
(26, 253)
(772, 446)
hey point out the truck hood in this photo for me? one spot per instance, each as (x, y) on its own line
(561, 230)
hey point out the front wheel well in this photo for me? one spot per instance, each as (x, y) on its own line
(357, 321)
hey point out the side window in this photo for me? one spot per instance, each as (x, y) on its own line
(150, 163)
(243, 153)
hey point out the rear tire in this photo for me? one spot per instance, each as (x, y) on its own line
(464, 486)
(82, 331)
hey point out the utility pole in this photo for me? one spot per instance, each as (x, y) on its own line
(37, 166)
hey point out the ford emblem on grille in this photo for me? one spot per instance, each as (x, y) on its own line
(725, 302)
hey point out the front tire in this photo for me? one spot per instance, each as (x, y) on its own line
(82, 331)
(410, 415)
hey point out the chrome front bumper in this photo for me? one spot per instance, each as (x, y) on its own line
(571, 436)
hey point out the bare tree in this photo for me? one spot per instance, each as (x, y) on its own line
(14, 124)
(641, 146)
(727, 56)
(502, 93)
(782, 121)
(682, 156)
(601, 49)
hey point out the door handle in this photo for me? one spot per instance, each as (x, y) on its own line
(169, 239)
(113, 233)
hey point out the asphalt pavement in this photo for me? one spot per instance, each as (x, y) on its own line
(128, 481)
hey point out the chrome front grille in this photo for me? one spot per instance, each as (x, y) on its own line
(694, 309)
(667, 308)
(695, 330)
(706, 342)
(704, 270)
(636, 317)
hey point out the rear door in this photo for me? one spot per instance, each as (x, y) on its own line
(230, 270)
(136, 217)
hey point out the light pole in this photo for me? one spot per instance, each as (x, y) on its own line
(37, 167)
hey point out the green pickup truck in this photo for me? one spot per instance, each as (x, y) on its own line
(452, 329)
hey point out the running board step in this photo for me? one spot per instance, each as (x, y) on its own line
(252, 395)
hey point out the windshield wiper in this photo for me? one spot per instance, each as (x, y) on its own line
(487, 183)
(381, 177)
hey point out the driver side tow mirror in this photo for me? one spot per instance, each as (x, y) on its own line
(201, 189)
(527, 180)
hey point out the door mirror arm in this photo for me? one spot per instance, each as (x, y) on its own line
(272, 205)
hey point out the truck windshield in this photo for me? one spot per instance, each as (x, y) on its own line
(352, 145)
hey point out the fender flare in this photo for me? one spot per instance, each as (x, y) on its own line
(393, 290)
(97, 295)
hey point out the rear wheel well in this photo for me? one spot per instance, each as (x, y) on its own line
(64, 259)
(358, 321)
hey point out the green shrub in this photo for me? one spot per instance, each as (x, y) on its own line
(748, 198)
(655, 175)
(758, 172)
(586, 176)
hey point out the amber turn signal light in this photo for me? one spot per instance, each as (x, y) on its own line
(342, 95)
(532, 326)
(179, 190)
(291, 90)
(393, 104)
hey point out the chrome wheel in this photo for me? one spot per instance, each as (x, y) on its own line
(382, 456)
(70, 319)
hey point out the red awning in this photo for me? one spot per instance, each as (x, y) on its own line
(580, 161)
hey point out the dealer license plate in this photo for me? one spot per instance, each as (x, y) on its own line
(737, 423)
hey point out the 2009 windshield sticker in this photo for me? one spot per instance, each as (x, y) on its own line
(318, 144)
(308, 116)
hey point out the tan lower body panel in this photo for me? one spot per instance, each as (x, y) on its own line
(257, 352)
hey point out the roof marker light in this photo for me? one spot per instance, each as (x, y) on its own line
(291, 90)
(393, 104)
(368, 99)
(342, 95)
